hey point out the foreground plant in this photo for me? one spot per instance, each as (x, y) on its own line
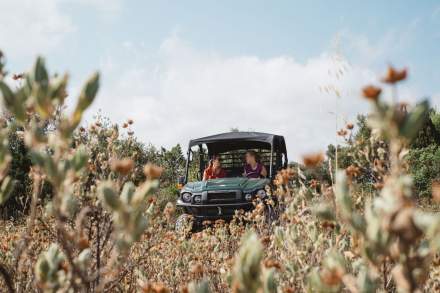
(106, 228)
(392, 235)
(35, 105)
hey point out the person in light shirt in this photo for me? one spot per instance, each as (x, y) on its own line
(253, 167)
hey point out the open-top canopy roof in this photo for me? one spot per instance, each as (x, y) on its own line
(241, 140)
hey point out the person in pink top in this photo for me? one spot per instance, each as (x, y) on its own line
(253, 168)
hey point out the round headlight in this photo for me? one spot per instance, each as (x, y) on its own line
(261, 193)
(186, 197)
(248, 197)
(197, 199)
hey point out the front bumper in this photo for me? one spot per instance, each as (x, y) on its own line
(214, 211)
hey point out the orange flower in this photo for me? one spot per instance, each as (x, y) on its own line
(313, 160)
(265, 240)
(371, 92)
(196, 269)
(314, 183)
(393, 75)
(152, 171)
(289, 290)
(125, 125)
(270, 263)
(283, 176)
(148, 287)
(332, 276)
(378, 185)
(352, 171)
(342, 132)
(379, 165)
(436, 191)
(123, 166)
(220, 222)
(206, 223)
(349, 126)
(83, 243)
(328, 225)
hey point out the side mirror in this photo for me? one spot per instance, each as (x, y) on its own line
(180, 182)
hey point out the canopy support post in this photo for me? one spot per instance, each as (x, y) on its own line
(271, 160)
(188, 156)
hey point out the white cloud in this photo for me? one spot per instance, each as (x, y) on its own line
(187, 93)
(436, 13)
(104, 6)
(29, 27)
(384, 48)
(436, 100)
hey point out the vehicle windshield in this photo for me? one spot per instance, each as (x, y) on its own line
(232, 162)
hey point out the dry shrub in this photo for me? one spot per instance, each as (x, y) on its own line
(104, 230)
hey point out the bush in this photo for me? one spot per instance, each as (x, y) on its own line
(424, 165)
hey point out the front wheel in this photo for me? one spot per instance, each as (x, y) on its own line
(184, 224)
(271, 214)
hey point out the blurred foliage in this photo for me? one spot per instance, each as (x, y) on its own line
(362, 150)
(109, 222)
(95, 140)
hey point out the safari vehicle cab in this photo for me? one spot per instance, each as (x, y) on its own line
(220, 198)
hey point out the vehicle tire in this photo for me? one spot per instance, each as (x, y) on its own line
(271, 214)
(184, 224)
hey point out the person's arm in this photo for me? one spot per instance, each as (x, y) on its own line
(263, 171)
(205, 175)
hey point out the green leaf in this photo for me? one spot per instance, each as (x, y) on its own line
(415, 120)
(79, 160)
(39, 72)
(86, 98)
(46, 161)
(270, 284)
(6, 189)
(37, 158)
(247, 269)
(58, 89)
(69, 205)
(109, 196)
(345, 203)
(11, 102)
(143, 191)
(127, 192)
(199, 287)
(325, 212)
(7, 94)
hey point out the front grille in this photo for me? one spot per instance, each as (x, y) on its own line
(214, 212)
(222, 197)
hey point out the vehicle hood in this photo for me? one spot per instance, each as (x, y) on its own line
(237, 183)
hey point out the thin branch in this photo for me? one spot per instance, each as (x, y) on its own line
(22, 246)
(7, 277)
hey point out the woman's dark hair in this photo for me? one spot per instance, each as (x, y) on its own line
(254, 154)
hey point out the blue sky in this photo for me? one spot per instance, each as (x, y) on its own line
(184, 69)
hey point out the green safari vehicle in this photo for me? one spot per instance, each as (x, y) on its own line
(219, 198)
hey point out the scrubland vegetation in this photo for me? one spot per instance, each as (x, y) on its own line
(89, 208)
